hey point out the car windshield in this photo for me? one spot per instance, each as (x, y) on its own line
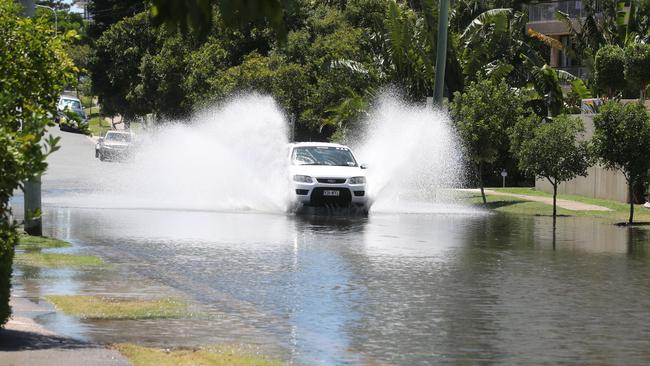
(118, 137)
(323, 155)
(74, 104)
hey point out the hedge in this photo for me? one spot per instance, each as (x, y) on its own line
(8, 240)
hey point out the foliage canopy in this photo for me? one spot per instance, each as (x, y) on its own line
(34, 70)
(621, 141)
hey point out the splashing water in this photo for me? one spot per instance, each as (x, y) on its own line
(233, 157)
(228, 158)
(413, 155)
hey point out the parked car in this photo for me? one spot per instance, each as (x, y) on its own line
(325, 174)
(71, 115)
(115, 145)
(73, 104)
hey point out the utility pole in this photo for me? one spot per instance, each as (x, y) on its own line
(32, 188)
(441, 52)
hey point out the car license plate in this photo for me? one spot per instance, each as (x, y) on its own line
(331, 193)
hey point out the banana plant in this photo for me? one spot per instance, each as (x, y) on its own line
(548, 98)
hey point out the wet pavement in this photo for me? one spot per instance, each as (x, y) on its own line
(443, 286)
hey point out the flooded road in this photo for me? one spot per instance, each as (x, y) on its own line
(446, 287)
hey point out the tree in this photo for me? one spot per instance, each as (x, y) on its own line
(482, 116)
(108, 12)
(610, 69)
(550, 150)
(637, 67)
(115, 66)
(621, 142)
(34, 69)
(199, 17)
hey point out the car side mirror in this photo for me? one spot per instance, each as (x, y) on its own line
(363, 166)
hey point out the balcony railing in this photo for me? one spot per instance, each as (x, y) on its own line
(577, 71)
(542, 12)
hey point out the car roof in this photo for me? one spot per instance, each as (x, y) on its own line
(119, 132)
(329, 144)
(67, 97)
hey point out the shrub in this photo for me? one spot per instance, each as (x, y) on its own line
(34, 69)
(637, 66)
(86, 101)
(8, 240)
(610, 69)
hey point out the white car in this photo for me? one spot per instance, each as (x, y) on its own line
(115, 145)
(72, 103)
(325, 174)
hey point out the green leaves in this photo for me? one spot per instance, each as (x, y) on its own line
(637, 66)
(34, 70)
(609, 70)
(494, 20)
(550, 149)
(621, 138)
(197, 15)
(482, 115)
(621, 142)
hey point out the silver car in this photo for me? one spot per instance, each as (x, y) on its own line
(115, 145)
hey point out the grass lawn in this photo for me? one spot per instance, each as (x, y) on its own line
(619, 213)
(101, 307)
(57, 260)
(209, 356)
(98, 126)
(41, 242)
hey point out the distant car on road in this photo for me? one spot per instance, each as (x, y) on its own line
(73, 104)
(325, 174)
(115, 145)
(70, 113)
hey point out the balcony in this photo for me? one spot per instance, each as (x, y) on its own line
(580, 72)
(544, 12)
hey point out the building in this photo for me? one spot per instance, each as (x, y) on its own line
(542, 19)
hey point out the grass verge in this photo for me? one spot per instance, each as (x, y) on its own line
(41, 242)
(210, 356)
(100, 307)
(98, 126)
(57, 260)
(620, 211)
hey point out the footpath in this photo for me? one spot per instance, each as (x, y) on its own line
(23, 342)
(562, 203)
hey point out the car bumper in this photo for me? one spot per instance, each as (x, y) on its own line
(320, 194)
(114, 153)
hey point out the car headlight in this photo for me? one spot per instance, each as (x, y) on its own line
(357, 180)
(302, 178)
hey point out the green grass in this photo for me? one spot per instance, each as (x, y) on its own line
(100, 307)
(209, 356)
(98, 126)
(57, 260)
(619, 213)
(41, 242)
(86, 101)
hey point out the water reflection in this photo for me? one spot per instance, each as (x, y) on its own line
(394, 289)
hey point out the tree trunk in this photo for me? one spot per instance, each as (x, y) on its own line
(554, 203)
(630, 185)
(480, 181)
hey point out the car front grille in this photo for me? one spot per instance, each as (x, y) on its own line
(318, 199)
(331, 180)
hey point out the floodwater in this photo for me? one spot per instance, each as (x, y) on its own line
(413, 284)
(390, 289)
